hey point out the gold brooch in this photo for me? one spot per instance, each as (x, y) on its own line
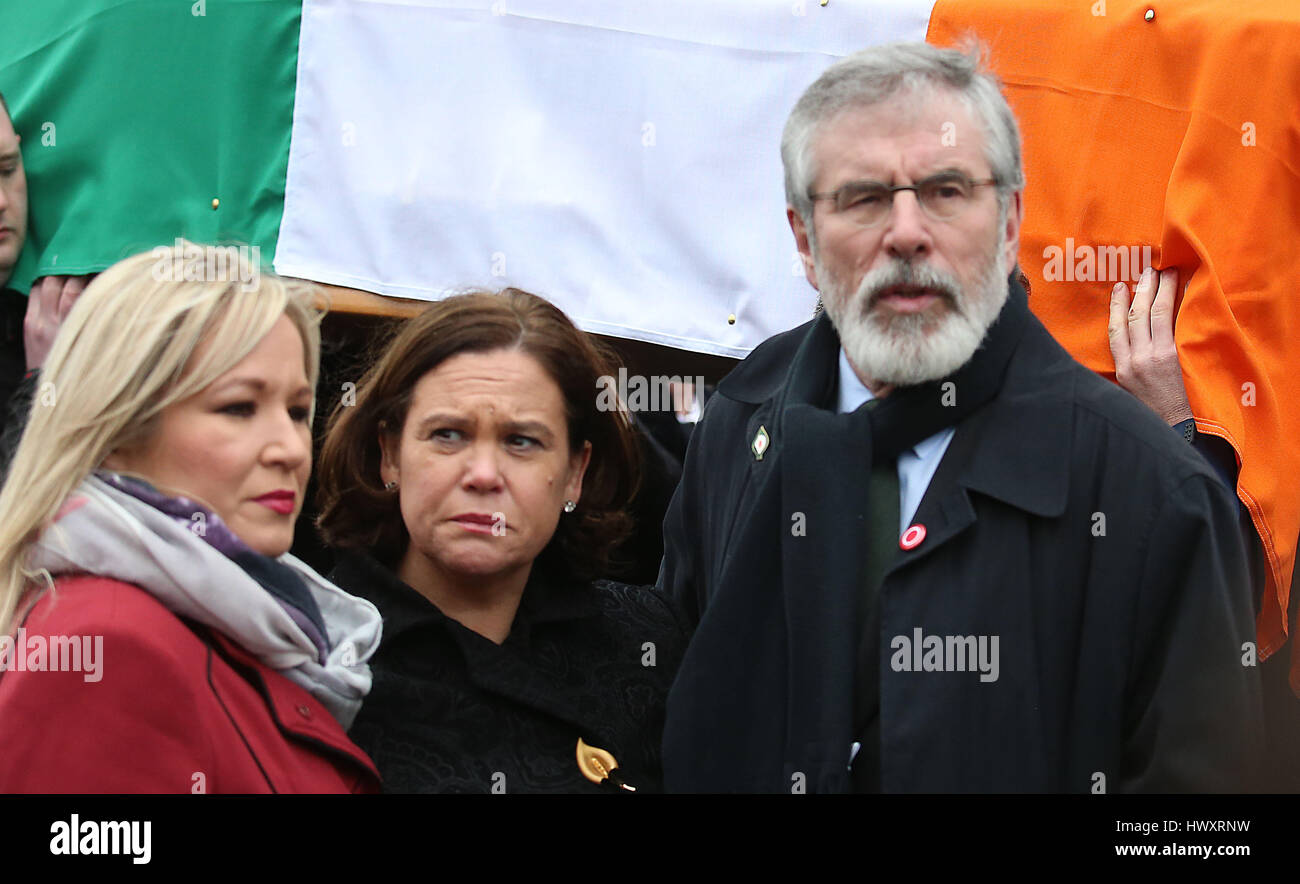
(598, 766)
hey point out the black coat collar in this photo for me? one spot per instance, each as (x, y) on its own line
(529, 668)
(1024, 433)
(546, 599)
(13, 307)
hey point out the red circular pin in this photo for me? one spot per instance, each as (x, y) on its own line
(912, 537)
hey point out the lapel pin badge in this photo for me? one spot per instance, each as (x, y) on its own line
(912, 537)
(600, 767)
(760, 443)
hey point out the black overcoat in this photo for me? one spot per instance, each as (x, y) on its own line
(1065, 519)
(451, 711)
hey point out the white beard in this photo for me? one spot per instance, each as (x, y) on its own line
(911, 348)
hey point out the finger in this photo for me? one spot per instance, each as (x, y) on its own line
(43, 297)
(1139, 316)
(73, 286)
(1162, 310)
(1117, 328)
(38, 317)
(40, 321)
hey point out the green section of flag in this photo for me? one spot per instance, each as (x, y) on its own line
(136, 114)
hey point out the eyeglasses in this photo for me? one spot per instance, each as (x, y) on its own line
(943, 197)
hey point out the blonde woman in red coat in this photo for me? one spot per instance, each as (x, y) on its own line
(155, 634)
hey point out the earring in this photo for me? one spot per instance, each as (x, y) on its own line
(570, 506)
(389, 486)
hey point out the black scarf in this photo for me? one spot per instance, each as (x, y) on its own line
(908, 415)
(764, 699)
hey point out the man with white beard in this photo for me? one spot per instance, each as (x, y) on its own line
(924, 550)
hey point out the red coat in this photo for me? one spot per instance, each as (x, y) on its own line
(170, 712)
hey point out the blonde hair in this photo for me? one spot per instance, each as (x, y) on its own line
(128, 349)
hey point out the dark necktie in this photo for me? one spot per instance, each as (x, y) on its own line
(881, 548)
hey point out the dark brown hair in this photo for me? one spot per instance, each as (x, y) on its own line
(357, 513)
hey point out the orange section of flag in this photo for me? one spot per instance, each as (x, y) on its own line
(1173, 134)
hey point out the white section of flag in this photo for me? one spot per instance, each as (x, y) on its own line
(620, 159)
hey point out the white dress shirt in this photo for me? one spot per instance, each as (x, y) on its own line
(916, 465)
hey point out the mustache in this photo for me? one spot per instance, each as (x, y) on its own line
(906, 273)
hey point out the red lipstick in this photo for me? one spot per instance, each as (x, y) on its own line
(280, 501)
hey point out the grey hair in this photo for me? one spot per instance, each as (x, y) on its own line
(876, 75)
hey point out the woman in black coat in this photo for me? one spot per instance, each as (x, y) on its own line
(476, 489)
